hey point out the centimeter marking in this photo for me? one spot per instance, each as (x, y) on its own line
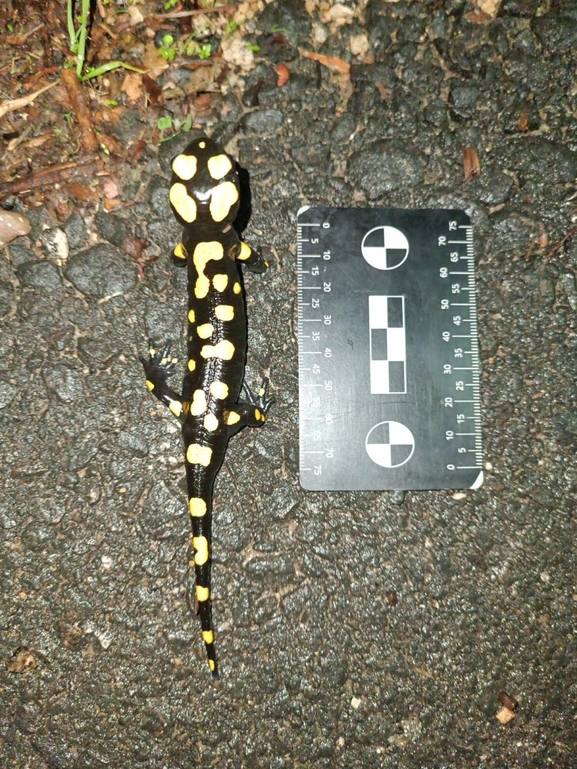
(470, 389)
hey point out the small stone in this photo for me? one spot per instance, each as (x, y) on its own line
(101, 272)
(385, 166)
(43, 276)
(504, 715)
(264, 121)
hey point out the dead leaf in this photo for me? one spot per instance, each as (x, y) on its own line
(383, 90)
(523, 122)
(283, 74)
(153, 61)
(132, 87)
(331, 62)
(110, 188)
(471, 164)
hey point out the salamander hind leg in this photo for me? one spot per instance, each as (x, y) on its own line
(158, 366)
(250, 412)
(252, 259)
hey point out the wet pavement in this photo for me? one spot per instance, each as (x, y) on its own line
(353, 629)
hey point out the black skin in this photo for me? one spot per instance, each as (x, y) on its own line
(214, 404)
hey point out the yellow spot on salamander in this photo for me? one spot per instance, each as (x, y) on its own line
(208, 638)
(222, 199)
(191, 365)
(202, 145)
(200, 545)
(205, 331)
(203, 253)
(202, 593)
(199, 455)
(149, 385)
(180, 251)
(220, 282)
(261, 392)
(236, 288)
(198, 405)
(245, 252)
(232, 418)
(210, 423)
(184, 166)
(197, 507)
(257, 414)
(224, 312)
(191, 316)
(211, 665)
(218, 166)
(219, 389)
(183, 204)
(223, 350)
(176, 408)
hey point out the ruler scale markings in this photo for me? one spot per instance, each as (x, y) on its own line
(402, 250)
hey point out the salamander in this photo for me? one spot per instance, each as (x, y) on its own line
(215, 404)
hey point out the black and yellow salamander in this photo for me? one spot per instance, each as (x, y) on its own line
(204, 196)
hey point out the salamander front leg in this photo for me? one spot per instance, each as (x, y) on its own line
(251, 412)
(158, 367)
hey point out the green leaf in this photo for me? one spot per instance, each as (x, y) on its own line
(164, 123)
(108, 67)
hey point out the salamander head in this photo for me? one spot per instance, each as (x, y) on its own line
(204, 188)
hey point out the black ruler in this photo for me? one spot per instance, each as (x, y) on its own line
(388, 354)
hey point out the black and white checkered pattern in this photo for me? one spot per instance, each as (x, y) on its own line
(388, 351)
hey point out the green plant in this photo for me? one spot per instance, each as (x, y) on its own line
(78, 39)
(167, 49)
(168, 123)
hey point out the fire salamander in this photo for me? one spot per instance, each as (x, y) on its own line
(204, 196)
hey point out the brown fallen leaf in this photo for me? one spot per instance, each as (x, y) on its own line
(471, 164)
(110, 188)
(523, 122)
(132, 86)
(153, 90)
(331, 62)
(283, 74)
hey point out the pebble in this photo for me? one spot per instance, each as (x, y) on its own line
(385, 166)
(101, 272)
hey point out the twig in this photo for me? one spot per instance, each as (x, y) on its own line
(44, 177)
(196, 12)
(23, 101)
(83, 114)
(558, 246)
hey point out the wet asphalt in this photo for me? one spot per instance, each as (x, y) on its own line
(354, 630)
